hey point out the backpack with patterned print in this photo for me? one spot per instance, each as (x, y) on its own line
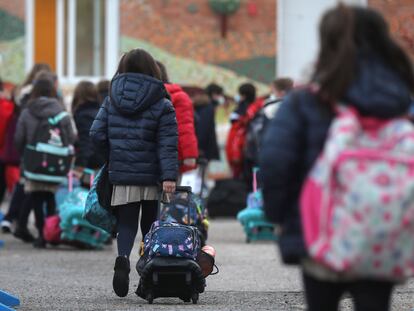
(48, 157)
(357, 204)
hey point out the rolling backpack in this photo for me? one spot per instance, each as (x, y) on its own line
(187, 209)
(48, 158)
(357, 204)
(253, 218)
(68, 226)
(169, 238)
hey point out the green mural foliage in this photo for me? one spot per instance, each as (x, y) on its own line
(224, 7)
(259, 68)
(11, 27)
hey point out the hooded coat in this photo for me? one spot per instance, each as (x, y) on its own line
(136, 129)
(86, 155)
(206, 128)
(187, 140)
(296, 136)
(38, 109)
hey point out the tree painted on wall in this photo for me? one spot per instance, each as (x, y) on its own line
(224, 8)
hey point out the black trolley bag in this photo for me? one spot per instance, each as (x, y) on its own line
(170, 276)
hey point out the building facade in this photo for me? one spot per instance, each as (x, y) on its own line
(83, 39)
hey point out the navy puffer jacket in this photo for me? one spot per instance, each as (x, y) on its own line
(137, 127)
(86, 155)
(296, 136)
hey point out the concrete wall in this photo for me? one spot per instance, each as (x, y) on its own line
(297, 23)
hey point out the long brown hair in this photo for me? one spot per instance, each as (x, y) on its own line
(43, 88)
(163, 72)
(139, 61)
(346, 32)
(84, 92)
(36, 69)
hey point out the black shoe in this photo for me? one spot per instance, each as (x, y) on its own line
(24, 235)
(120, 282)
(39, 243)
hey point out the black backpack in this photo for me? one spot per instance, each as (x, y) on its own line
(255, 131)
(227, 198)
(48, 157)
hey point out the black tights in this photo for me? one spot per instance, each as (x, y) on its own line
(368, 295)
(36, 201)
(128, 215)
(16, 203)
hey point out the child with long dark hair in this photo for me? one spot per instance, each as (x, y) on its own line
(136, 129)
(85, 107)
(43, 104)
(359, 64)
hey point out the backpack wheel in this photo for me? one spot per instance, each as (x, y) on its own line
(194, 298)
(248, 240)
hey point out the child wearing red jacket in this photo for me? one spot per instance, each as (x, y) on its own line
(187, 139)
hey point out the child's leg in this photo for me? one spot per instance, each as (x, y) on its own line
(39, 199)
(128, 215)
(50, 204)
(149, 215)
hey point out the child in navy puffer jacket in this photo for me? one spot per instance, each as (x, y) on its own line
(136, 129)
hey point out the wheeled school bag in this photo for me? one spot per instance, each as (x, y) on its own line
(168, 267)
(48, 158)
(74, 227)
(253, 218)
(187, 209)
(69, 227)
(94, 212)
(357, 203)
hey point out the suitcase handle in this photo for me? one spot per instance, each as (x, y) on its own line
(178, 189)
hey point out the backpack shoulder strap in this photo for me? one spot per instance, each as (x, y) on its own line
(57, 118)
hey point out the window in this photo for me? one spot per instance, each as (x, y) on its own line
(87, 39)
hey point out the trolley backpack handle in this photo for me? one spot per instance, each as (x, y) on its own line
(255, 170)
(178, 189)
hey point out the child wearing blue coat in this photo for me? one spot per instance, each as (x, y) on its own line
(136, 130)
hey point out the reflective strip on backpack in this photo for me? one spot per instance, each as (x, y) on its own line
(45, 178)
(55, 150)
(56, 119)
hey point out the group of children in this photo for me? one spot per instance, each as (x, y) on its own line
(37, 99)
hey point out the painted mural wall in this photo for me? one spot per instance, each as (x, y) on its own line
(12, 43)
(186, 36)
(400, 15)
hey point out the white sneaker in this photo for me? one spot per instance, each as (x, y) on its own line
(5, 226)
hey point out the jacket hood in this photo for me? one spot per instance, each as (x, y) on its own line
(45, 107)
(378, 91)
(135, 92)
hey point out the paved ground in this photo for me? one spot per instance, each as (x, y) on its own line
(251, 278)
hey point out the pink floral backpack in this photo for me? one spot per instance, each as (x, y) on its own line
(357, 204)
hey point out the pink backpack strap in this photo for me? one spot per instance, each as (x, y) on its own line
(70, 181)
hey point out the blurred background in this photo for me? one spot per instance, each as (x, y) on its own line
(228, 42)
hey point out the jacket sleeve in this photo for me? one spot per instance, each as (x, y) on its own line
(280, 160)
(187, 140)
(99, 129)
(69, 130)
(213, 152)
(167, 143)
(20, 139)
